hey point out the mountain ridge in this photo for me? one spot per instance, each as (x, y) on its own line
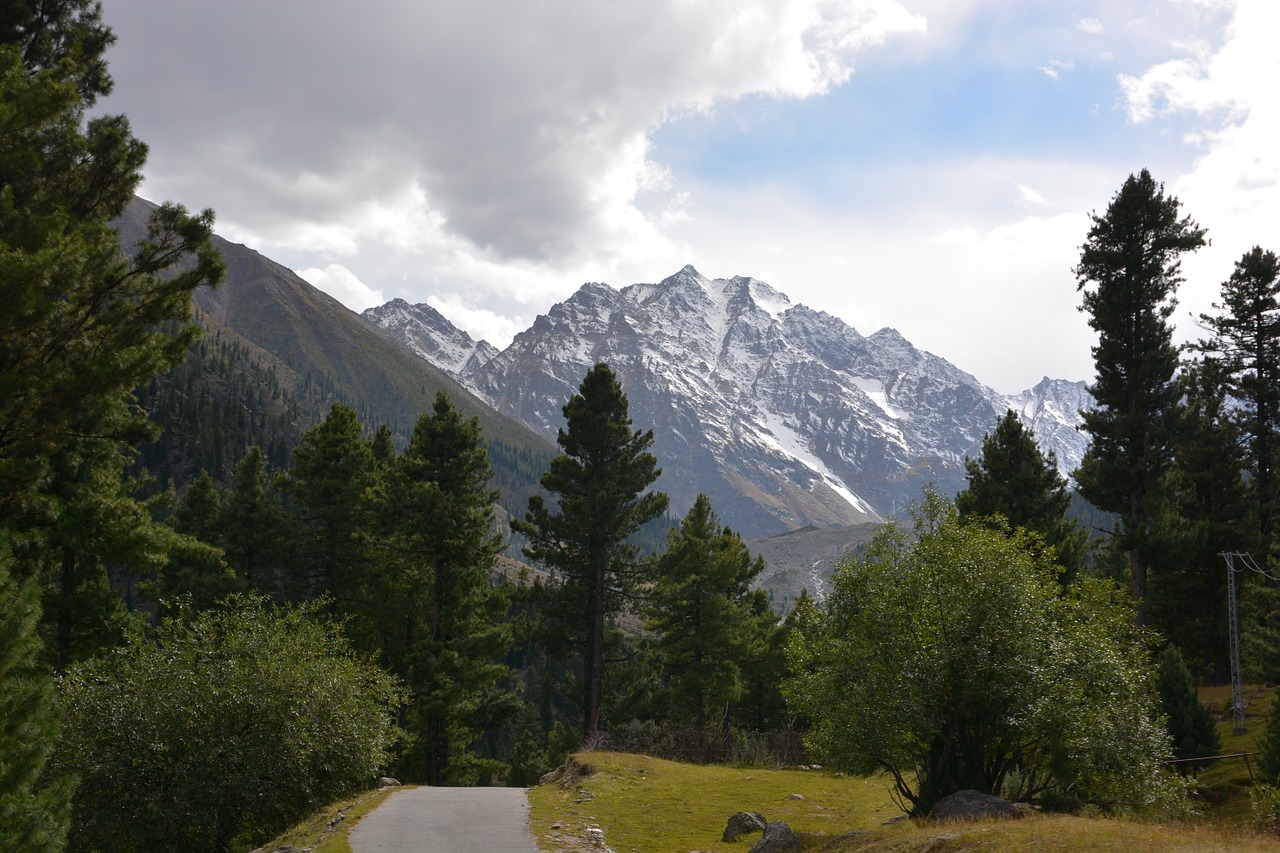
(784, 415)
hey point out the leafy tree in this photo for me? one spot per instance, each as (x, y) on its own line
(81, 324)
(33, 814)
(445, 632)
(1129, 271)
(1245, 341)
(952, 659)
(700, 611)
(228, 726)
(599, 482)
(1013, 479)
(1192, 729)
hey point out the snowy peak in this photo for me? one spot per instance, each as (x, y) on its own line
(431, 336)
(784, 416)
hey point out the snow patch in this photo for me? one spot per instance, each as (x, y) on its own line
(787, 441)
(874, 389)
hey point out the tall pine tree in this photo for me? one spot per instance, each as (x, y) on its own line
(1128, 273)
(448, 635)
(1245, 341)
(599, 482)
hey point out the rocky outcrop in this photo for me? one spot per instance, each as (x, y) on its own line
(777, 838)
(742, 823)
(972, 805)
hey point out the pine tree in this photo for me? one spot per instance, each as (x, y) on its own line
(700, 611)
(1192, 730)
(255, 537)
(599, 482)
(81, 324)
(333, 469)
(1015, 480)
(448, 635)
(196, 575)
(1246, 342)
(1129, 271)
(33, 814)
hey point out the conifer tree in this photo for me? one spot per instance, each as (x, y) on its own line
(599, 484)
(1128, 273)
(1246, 342)
(197, 575)
(254, 534)
(332, 471)
(700, 609)
(446, 632)
(1014, 479)
(81, 324)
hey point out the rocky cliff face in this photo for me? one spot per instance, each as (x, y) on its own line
(784, 416)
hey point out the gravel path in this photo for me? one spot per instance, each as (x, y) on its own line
(447, 820)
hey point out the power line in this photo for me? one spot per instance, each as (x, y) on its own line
(1233, 635)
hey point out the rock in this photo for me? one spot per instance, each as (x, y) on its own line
(388, 782)
(938, 841)
(743, 822)
(796, 797)
(777, 838)
(972, 805)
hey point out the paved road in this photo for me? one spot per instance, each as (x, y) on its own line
(447, 820)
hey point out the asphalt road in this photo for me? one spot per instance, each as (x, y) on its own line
(447, 820)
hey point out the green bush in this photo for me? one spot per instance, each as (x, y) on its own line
(229, 724)
(952, 658)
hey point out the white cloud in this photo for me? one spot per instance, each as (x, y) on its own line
(1092, 26)
(513, 131)
(1054, 67)
(342, 284)
(1229, 95)
(1028, 196)
(480, 323)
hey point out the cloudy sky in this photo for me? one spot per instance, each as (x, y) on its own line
(920, 164)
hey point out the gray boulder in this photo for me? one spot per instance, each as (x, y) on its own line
(743, 822)
(972, 805)
(778, 838)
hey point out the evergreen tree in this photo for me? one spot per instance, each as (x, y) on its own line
(1129, 271)
(700, 610)
(1246, 342)
(81, 324)
(197, 575)
(1015, 480)
(332, 472)
(447, 636)
(33, 814)
(599, 482)
(254, 533)
(1204, 511)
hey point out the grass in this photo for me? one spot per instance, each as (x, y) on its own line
(1224, 787)
(646, 805)
(326, 831)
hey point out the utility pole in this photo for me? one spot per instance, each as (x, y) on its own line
(1233, 630)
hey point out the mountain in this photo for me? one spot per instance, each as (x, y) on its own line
(321, 352)
(784, 416)
(432, 337)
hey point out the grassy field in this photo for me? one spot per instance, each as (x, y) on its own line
(645, 805)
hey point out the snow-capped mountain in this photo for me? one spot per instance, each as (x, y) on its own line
(431, 336)
(784, 416)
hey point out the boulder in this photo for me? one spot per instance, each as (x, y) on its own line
(972, 805)
(743, 822)
(777, 838)
(388, 782)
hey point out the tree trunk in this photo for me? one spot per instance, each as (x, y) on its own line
(594, 662)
